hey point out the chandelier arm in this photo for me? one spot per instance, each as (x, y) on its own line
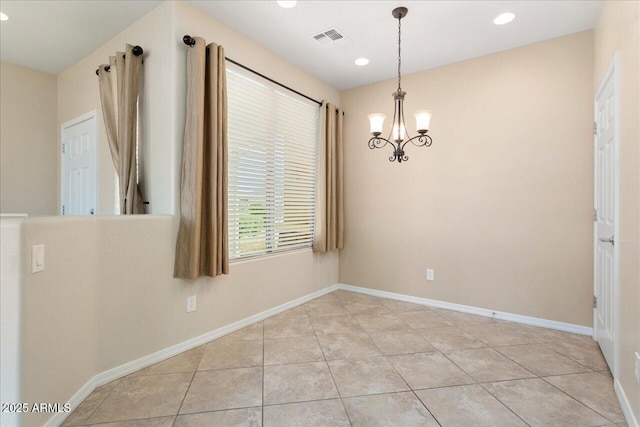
(398, 153)
(422, 140)
(407, 141)
(378, 142)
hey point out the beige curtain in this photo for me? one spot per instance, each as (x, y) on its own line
(329, 222)
(202, 247)
(119, 91)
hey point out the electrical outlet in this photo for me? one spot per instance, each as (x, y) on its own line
(37, 258)
(638, 367)
(431, 274)
(191, 303)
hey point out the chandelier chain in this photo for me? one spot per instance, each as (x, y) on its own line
(399, 56)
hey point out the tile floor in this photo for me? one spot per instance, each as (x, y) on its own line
(351, 359)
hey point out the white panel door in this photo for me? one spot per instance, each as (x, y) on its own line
(605, 254)
(79, 166)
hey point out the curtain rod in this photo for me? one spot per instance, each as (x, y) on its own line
(190, 41)
(137, 51)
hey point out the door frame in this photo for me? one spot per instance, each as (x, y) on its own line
(613, 72)
(91, 115)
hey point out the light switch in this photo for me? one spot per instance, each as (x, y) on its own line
(37, 258)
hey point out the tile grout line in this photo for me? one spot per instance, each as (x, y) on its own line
(426, 407)
(396, 370)
(480, 384)
(239, 408)
(568, 356)
(126, 421)
(91, 413)
(549, 348)
(368, 333)
(503, 404)
(519, 365)
(533, 342)
(101, 401)
(455, 364)
(495, 348)
(190, 383)
(335, 384)
(529, 370)
(540, 377)
(576, 399)
(386, 356)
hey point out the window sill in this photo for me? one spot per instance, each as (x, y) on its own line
(269, 255)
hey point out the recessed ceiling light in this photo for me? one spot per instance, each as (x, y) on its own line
(3, 17)
(287, 4)
(504, 18)
(362, 61)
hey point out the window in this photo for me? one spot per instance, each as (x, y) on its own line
(273, 138)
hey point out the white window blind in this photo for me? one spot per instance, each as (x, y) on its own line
(273, 138)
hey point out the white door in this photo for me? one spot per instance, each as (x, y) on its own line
(605, 214)
(79, 166)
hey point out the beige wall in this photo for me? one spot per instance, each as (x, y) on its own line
(111, 276)
(58, 313)
(78, 93)
(28, 135)
(107, 297)
(618, 30)
(500, 205)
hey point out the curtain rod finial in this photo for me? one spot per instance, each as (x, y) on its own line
(106, 68)
(188, 40)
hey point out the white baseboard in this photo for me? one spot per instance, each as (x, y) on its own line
(517, 318)
(75, 400)
(631, 419)
(159, 356)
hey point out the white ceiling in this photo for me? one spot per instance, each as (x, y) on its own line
(51, 35)
(434, 33)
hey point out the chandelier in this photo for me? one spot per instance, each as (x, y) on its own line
(399, 136)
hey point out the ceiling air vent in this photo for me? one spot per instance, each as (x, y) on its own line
(331, 37)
